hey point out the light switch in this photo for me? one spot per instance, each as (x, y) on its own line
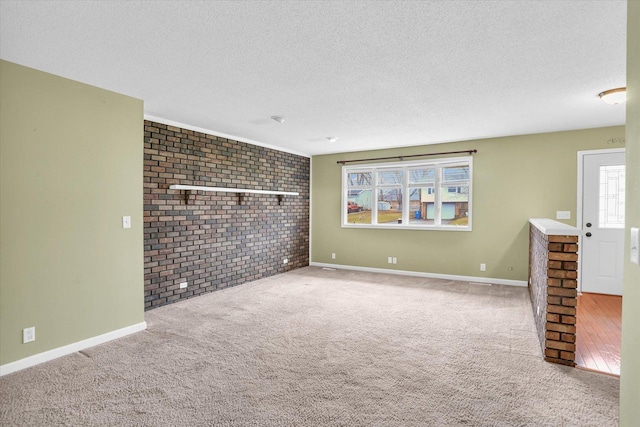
(126, 222)
(563, 214)
(635, 245)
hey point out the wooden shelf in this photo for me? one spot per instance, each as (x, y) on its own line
(239, 191)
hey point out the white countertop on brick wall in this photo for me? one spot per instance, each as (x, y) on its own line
(554, 228)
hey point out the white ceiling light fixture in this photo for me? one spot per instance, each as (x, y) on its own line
(614, 96)
(332, 138)
(278, 119)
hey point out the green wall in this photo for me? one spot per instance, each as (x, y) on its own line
(71, 167)
(514, 179)
(630, 366)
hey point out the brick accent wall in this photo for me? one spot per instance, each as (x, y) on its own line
(215, 240)
(538, 261)
(553, 265)
(562, 275)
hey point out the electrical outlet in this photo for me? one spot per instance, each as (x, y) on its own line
(563, 214)
(285, 261)
(183, 285)
(395, 260)
(389, 260)
(483, 267)
(333, 255)
(28, 334)
(126, 222)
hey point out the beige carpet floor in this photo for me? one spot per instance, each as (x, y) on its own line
(315, 347)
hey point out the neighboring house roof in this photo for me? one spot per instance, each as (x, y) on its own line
(446, 197)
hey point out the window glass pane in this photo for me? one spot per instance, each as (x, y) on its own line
(359, 179)
(359, 207)
(611, 198)
(455, 205)
(390, 206)
(422, 176)
(421, 205)
(393, 177)
(455, 173)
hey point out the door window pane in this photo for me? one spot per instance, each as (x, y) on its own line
(611, 197)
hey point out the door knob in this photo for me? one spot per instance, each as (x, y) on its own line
(588, 224)
(588, 234)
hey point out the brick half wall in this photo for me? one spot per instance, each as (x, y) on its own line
(553, 273)
(217, 240)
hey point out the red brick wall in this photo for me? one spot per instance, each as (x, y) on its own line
(553, 265)
(216, 241)
(562, 295)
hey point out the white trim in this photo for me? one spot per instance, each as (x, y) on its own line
(421, 274)
(374, 168)
(46, 356)
(220, 134)
(551, 227)
(409, 227)
(580, 187)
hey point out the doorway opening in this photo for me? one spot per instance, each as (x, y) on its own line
(601, 206)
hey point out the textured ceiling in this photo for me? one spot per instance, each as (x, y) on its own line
(374, 74)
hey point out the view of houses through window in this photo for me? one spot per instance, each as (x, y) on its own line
(426, 194)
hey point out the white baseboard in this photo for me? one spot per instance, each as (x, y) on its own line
(46, 356)
(421, 274)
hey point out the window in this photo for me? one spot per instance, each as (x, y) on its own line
(611, 197)
(408, 195)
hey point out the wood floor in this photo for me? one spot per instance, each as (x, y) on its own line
(598, 323)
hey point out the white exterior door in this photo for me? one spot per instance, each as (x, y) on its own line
(603, 222)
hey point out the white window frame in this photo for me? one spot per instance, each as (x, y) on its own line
(438, 164)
